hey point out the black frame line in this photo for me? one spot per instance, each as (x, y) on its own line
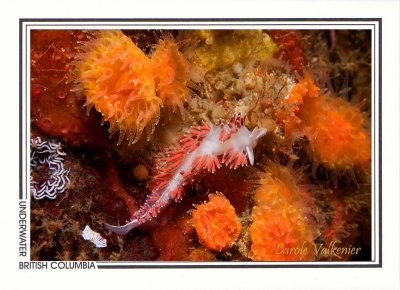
(23, 22)
(144, 20)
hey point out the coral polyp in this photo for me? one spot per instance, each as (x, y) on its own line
(284, 223)
(335, 128)
(171, 74)
(117, 79)
(336, 132)
(293, 102)
(216, 223)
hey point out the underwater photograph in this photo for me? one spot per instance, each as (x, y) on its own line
(200, 145)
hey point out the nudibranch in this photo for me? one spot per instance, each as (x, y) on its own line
(90, 235)
(117, 79)
(51, 154)
(205, 147)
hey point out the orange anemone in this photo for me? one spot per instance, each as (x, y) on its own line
(216, 223)
(171, 74)
(117, 79)
(335, 130)
(283, 226)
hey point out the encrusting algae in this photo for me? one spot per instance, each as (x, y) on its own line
(219, 49)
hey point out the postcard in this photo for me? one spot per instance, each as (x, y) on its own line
(230, 146)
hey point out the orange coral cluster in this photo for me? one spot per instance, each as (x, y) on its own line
(335, 129)
(216, 223)
(283, 227)
(126, 86)
(171, 74)
(117, 78)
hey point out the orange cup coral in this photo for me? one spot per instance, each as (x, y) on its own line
(171, 74)
(334, 127)
(117, 79)
(300, 93)
(216, 223)
(335, 130)
(283, 226)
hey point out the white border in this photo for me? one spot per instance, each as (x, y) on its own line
(386, 277)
